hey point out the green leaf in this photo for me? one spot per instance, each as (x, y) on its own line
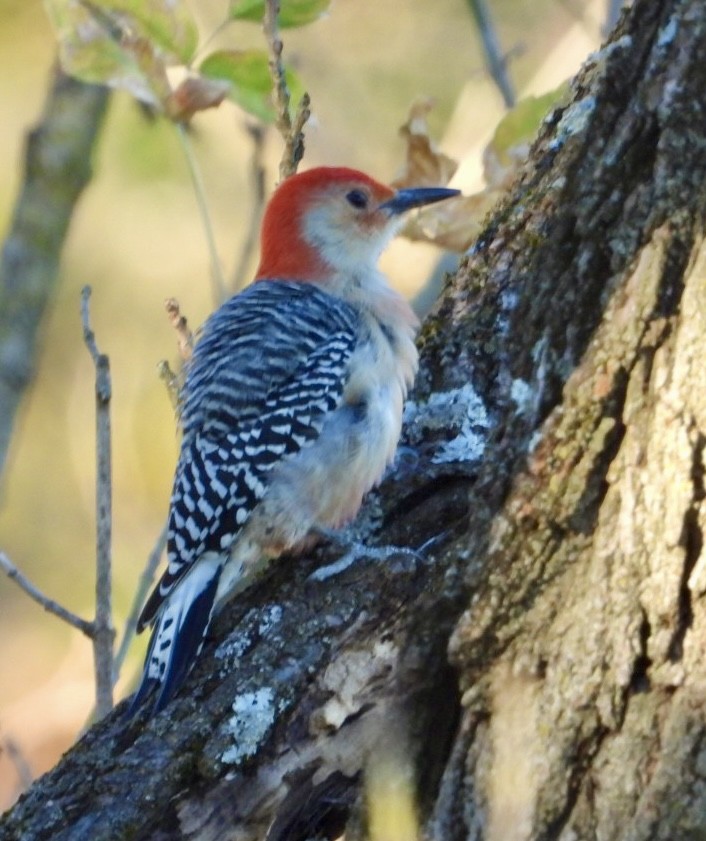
(124, 43)
(165, 23)
(248, 73)
(92, 48)
(521, 124)
(291, 13)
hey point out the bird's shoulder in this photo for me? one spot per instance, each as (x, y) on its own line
(262, 342)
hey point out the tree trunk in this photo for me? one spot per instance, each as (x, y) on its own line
(57, 169)
(535, 670)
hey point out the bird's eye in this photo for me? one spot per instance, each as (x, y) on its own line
(357, 198)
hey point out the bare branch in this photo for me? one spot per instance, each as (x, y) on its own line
(219, 287)
(57, 168)
(171, 379)
(19, 762)
(291, 131)
(185, 343)
(280, 91)
(103, 631)
(257, 172)
(146, 581)
(496, 61)
(185, 336)
(294, 142)
(48, 604)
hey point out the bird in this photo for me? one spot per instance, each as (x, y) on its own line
(291, 408)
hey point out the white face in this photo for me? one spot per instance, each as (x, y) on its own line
(347, 228)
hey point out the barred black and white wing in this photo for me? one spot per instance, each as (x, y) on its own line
(268, 369)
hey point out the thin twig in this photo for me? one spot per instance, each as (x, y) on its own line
(294, 143)
(172, 380)
(291, 131)
(19, 762)
(103, 632)
(48, 604)
(185, 336)
(205, 44)
(577, 10)
(217, 280)
(146, 580)
(257, 171)
(185, 343)
(280, 91)
(496, 61)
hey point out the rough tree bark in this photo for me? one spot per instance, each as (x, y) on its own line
(57, 169)
(540, 664)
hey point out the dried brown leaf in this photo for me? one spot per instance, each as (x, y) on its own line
(455, 224)
(452, 224)
(195, 94)
(425, 165)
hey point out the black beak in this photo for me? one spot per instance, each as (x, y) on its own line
(416, 197)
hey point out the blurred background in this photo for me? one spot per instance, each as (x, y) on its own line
(137, 239)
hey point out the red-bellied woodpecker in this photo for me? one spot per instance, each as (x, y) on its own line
(292, 404)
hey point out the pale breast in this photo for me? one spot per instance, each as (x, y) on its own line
(323, 485)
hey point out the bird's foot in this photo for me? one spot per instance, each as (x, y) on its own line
(356, 550)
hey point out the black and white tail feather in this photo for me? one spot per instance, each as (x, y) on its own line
(262, 380)
(178, 634)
